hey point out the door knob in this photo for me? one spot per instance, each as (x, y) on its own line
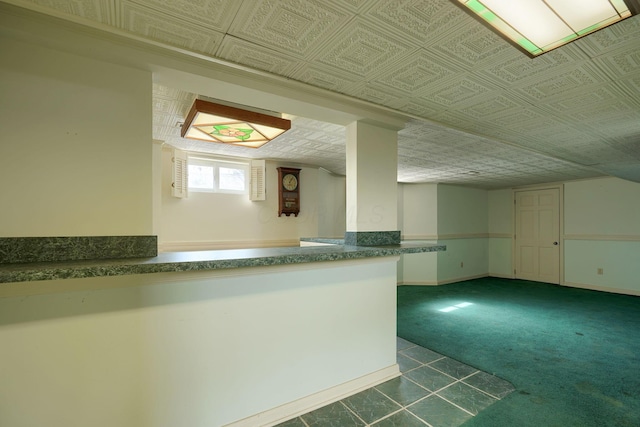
(555, 243)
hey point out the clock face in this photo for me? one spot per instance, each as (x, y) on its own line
(289, 182)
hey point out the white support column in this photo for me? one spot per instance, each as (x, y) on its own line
(372, 169)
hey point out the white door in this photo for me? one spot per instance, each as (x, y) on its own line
(537, 236)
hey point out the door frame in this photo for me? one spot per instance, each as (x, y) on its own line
(560, 188)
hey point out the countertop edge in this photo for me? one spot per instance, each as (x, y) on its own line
(203, 260)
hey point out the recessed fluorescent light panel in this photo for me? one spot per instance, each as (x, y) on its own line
(538, 26)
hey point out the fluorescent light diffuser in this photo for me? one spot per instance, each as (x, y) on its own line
(211, 122)
(538, 26)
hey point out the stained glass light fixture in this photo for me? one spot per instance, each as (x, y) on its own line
(212, 122)
(538, 26)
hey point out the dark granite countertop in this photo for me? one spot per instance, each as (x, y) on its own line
(205, 260)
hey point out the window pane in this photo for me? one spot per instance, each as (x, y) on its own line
(232, 179)
(201, 177)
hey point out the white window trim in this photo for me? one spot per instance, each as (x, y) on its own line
(216, 163)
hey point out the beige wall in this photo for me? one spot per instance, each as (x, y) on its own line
(75, 142)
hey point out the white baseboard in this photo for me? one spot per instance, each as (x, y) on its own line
(301, 406)
(419, 283)
(602, 288)
(502, 276)
(442, 282)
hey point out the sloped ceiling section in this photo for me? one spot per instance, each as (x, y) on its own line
(483, 114)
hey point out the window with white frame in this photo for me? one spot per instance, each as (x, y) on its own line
(218, 176)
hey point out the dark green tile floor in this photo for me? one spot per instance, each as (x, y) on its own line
(433, 390)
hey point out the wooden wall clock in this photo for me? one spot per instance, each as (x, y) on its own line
(288, 191)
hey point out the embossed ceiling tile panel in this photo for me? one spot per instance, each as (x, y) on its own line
(294, 27)
(353, 5)
(94, 10)
(460, 90)
(362, 49)
(472, 46)
(170, 107)
(630, 86)
(425, 21)
(214, 14)
(508, 68)
(612, 124)
(321, 128)
(257, 57)
(611, 38)
(592, 156)
(622, 62)
(373, 94)
(419, 128)
(555, 137)
(567, 83)
(413, 73)
(598, 98)
(310, 138)
(327, 78)
(466, 123)
(158, 27)
(629, 144)
(492, 106)
(419, 107)
(173, 100)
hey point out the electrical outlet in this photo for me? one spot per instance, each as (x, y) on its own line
(600, 271)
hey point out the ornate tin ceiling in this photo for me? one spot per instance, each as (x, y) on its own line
(483, 114)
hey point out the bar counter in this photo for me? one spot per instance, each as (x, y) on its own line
(165, 262)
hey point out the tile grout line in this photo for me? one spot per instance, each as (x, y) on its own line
(354, 413)
(481, 390)
(456, 405)
(387, 416)
(431, 394)
(435, 393)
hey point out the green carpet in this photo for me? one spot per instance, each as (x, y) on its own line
(573, 355)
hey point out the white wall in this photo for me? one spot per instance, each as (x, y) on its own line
(458, 218)
(75, 143)
(602, 230)
(418, 213)
(500, 233)
(331, 205)
(196, 348)
(372, 170)
(463, 227)
(217, 220)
